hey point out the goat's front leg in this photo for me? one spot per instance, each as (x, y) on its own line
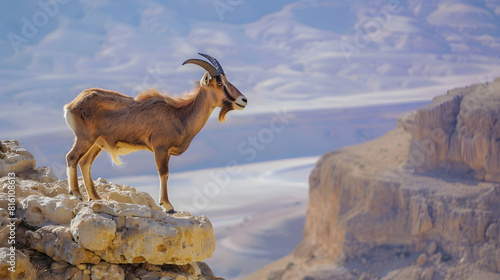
(162, 157)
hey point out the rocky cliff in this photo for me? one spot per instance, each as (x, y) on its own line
(421, 202)
(459, 134)
(47, 234)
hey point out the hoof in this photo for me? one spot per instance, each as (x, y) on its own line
(95, 198)
(167, 207)
(77, 196)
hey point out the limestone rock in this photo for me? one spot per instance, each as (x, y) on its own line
(14, 158)
(27, 187)
(40, 210)
(93, 231)
(57, 270)
(492, 233)
(141, 234)
(427, 274)
(407, 122)
(57, 243)
(42, 174)
(15, 265)
(119, 209)
(59, 267)
(353, 213)
(106, 239)
(126, 233)
(4, 229)
(458, 133)
(121, 193)
(431, 249)
(105, 271)
(422, 259)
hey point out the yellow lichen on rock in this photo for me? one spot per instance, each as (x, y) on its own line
(18, 267)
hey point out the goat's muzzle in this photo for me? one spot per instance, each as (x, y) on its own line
(240, 103)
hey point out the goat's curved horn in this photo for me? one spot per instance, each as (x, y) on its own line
(214, 62)
(205, 65)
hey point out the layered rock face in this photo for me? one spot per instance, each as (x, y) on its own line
(459, 133)
(123, 236)
(421, 202)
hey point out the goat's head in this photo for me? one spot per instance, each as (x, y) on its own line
(229, 96)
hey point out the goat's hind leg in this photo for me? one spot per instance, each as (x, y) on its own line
(85, 165)
(80, 148)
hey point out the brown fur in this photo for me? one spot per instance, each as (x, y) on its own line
(176, 101)
(119, 124)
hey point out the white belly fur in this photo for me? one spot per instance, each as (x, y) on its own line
(121, 149)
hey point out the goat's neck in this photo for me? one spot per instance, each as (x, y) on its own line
(199, 111)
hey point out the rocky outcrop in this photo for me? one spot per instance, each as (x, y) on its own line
(421, 202)
(60, 237)
(14, 158)
(24, 269)
(459, 133)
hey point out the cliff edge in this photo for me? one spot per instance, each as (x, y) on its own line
(421, 202)
(46, 233)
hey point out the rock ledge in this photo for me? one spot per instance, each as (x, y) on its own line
(125, 234)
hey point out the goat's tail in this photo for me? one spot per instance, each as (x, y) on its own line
(69, 119)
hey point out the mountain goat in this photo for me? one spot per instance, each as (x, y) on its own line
(119, 124)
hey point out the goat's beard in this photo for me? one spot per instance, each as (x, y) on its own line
(226, 107)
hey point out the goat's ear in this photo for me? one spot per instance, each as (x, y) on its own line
(205, 80)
